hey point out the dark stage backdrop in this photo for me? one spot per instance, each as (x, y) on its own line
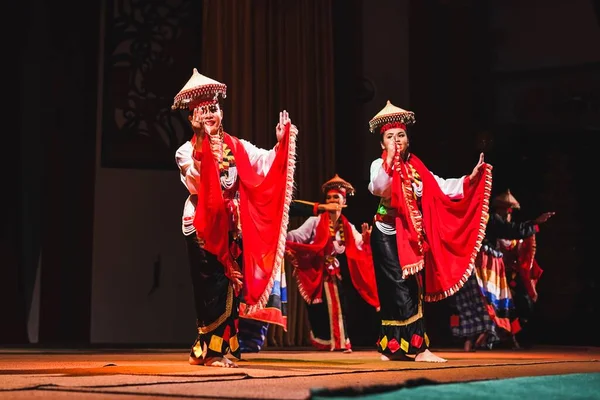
(473, 85)
(149, 49)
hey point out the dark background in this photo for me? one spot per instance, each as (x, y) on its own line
(543, 152)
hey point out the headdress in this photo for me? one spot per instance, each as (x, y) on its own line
(506, 200)
(337, 183)
(391, 114)
(198, 91)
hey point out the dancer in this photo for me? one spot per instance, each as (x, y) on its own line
(423, 224)
(499, 297)
(236, 213)
(330, 257)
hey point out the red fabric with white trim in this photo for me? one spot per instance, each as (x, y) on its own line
(262, 202)
(310, 268)
(454, 228)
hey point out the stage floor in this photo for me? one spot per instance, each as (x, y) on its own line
(143, 374)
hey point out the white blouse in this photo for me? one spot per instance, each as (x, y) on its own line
(307, 231)
(260, 159)
(381, 186)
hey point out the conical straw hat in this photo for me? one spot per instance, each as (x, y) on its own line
(390, 113)
(506, 200)
(199, 89)
(338, 183)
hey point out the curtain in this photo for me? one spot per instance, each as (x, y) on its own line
(275, 55)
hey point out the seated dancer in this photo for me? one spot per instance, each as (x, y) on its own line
(236, 212)
(330, 257)
(423, 224)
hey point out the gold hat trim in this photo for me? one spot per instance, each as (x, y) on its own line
(390, 113)
(335, 183)
(506, 200)
(199, 89)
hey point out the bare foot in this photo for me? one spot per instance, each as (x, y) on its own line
(395, 357)
(195, 361)
(481, 340)
(428, 356)
(222, 362)
(516, 345)
(347, 351)
(469, 345)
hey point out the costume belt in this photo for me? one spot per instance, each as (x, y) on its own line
(332, 266)
(386, 218)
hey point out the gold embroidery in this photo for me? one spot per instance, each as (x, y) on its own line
(234, 343)
(394, 322)
(228, 307)
(336, 227)
(404, 345)
(414, 318)
(383, 343)
(197, 349)
(228, 158)
(216, 343)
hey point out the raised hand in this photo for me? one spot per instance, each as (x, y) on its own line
(197, 121)
(234, 274)
(391, 151)
(236, 281)
(284, 118)
(198, 127)
(544, 217)
(477, 167)
(366, 232)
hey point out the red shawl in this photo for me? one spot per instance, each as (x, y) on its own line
(309, 263)
(454, 228)
(529, 270)
(264, 206)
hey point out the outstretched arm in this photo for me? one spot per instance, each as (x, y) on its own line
(302, 208)
(516, 230)
(543, 217)
(305, 233)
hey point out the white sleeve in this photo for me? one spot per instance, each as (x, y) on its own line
(358, 238)
(260, 159)
(305, 233)
(189, 167)
(452, 187)
(381, 183)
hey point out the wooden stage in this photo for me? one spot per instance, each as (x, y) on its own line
(121, 374)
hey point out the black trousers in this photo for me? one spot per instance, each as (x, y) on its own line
(402, 322)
